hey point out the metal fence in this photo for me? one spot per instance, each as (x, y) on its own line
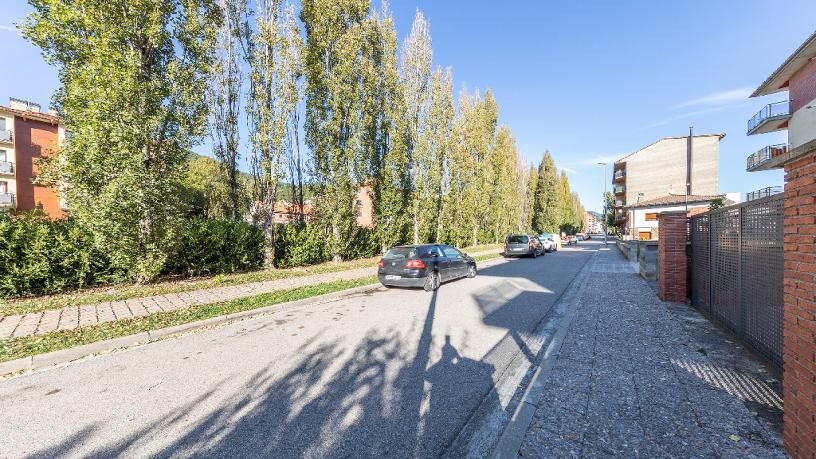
(736, 270)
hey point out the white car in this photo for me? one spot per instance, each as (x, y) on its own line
(548, 243)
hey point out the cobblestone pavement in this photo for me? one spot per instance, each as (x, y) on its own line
(36, 323)
(630, 381)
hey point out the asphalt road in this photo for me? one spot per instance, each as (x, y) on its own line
(393, 373)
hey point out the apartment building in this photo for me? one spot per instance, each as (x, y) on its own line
(27, 134)
(593, 222)
(671, 166)
(797, 114)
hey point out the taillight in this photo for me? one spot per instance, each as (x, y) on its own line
(415, 264)
(381, 263)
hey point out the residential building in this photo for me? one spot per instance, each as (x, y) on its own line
(27, 135)
(285, 212)
(593, 222)
(364, 206)
(643, 215)
(670, 166)
(797, 115)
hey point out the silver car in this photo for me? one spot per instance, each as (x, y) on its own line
(522, 245)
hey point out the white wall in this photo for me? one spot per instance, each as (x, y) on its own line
(802, 125)
(642, 225)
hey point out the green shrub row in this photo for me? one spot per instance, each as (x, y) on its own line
(41, 256)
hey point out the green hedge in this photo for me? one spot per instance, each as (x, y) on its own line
(41, 256)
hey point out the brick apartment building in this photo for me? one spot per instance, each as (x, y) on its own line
(27, 134)
(661, 170)
(797, 115)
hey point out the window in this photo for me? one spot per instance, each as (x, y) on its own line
(652, 217)
(3, 187)
(451, 252)
(2, 124)
(3, 156)
(400, 253)
(435, 252)
(517, 239)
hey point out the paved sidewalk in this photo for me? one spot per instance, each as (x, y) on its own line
(36, 323)
(631, 381)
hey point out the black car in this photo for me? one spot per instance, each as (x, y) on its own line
(426, 266)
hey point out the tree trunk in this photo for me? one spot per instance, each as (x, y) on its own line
(269, 241)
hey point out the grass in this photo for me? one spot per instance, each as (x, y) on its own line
(176, 285)
(16, 348)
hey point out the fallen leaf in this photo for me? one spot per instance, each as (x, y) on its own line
(735, 437)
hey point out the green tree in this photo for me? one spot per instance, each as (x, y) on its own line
(207, 194)
(133, 80)
(547, 210)
(532, 186)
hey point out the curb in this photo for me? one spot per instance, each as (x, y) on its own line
(41, 361)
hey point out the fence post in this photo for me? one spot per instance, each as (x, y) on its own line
(799, 343)
(672, 262)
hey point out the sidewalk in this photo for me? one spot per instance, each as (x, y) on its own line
(70, 318)
(632, 380)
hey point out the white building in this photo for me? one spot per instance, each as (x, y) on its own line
(643, 214)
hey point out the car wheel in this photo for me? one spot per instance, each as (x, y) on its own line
(432, 281)
(534, 254)
(471, 271)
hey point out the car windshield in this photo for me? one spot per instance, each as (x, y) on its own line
(400, 253)
(517, 239)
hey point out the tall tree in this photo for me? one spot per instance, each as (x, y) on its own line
(547, 215)
(225, 93)
(274, 58)
(336, 66)
(532, 186)
(132, 91)
(415, 80)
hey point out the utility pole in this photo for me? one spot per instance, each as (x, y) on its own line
(605, 217)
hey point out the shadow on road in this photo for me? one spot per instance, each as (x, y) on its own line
(382, 397)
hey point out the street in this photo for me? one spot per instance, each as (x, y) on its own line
(391, 373)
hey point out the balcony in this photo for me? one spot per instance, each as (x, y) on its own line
(763, 193)
(6, 136)
(619, 174)
(6, 168)
(772, 117)
(6, 200)
(618, 203)
(619, 189)
(763, 159)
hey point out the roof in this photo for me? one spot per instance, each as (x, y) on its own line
(29, 115)
(720, 135)
(675, 199)
(778, 80)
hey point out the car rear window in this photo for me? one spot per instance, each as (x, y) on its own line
(400, 253)
(517, 239)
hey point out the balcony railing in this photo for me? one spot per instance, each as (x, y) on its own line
(619, 203)
(6, 200)
(620, 174)
(6, 136)
(6, 167)
(763, 156)
(776, 110)
(763, 193)
(619, 189)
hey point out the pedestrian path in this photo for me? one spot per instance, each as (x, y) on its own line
(631, 381)
(69, 318)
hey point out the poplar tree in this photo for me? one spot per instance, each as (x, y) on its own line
(547, 214)
(133, 80)
(225, 94)
(333, 33)
(532, 186)
(274, 59)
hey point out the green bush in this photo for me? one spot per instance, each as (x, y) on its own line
(363, 245)
(299, 245)
(41, 256)
(215, 246)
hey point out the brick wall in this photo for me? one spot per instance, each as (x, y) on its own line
(34, 139)
(672, 264)
(799, 361)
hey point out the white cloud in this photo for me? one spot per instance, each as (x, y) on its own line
(11, 29)
(568, 170)
(719, 98)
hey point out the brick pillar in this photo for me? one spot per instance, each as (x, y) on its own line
(671, 256)
(799, 360)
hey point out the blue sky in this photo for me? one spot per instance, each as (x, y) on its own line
(590, 81)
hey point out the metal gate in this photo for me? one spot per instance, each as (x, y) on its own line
(737, 270)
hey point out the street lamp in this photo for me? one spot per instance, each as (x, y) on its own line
(605, 217)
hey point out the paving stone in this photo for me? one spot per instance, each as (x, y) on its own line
(87, 315)
(120, 310)
(8, 324)
(69, 319)
(104, 313)
(49, 322)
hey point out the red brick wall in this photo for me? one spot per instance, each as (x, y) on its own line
(799, 361)
(803, 86)
(672, 274)
(33, 140)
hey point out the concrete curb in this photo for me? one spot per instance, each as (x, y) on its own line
(63, 356)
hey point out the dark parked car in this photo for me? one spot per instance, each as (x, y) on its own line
(425, 266)
(522, 245)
